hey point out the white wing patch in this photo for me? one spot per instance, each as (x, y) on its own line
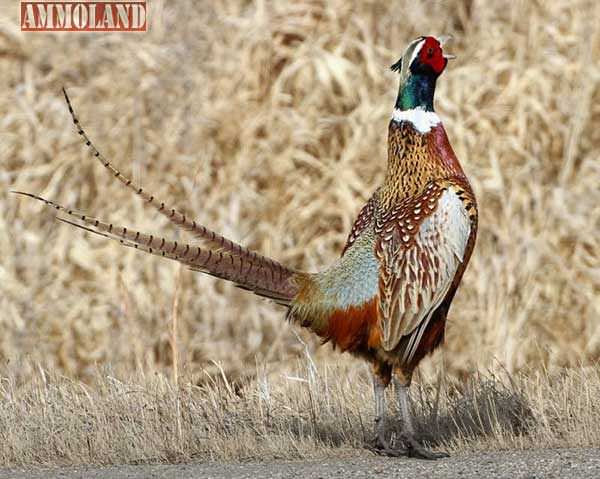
(420, 276)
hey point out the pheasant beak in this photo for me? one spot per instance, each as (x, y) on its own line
(443, 40)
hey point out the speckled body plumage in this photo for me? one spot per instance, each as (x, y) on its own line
(387, 297)
(421, 168)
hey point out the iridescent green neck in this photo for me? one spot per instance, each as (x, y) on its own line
(416, 92)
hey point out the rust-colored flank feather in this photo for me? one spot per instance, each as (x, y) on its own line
(354, 328)
(387, 297)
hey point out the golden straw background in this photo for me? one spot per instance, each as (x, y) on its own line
(267, 121)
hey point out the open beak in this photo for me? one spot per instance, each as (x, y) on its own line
(443, 40)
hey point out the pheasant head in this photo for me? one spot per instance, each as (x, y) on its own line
(418, 148)
(419, 67)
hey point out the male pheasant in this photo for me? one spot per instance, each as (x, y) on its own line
(387, 297)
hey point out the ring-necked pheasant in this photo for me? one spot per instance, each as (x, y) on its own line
(386, 299)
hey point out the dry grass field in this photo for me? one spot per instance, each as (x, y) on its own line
(309, 413)
(267, 121)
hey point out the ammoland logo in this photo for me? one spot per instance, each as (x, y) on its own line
(80, 16)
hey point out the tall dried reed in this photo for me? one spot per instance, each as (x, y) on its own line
(267, 121)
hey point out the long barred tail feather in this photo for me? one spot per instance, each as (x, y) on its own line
(256, 274)
(212, 239)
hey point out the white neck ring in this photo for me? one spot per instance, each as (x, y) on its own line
(422, 120)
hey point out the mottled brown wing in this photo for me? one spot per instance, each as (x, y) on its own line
(363, 221)
(420, 245)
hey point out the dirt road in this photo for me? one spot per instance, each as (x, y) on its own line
(572, 463)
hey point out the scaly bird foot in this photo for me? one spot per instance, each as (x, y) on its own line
(413, 449)
(416, 450)
(382, 448)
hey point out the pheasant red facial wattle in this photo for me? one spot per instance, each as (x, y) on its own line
(431, 54)
(386, 299)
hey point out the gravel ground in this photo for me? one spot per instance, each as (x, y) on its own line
(572, 463)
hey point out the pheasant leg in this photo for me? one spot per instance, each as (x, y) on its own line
(381, 445)
(413, 448)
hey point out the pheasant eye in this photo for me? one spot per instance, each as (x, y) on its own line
(429, 52)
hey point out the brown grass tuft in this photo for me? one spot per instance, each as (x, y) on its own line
(307, 413)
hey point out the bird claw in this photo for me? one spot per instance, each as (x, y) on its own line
(417, 451)
(413, 449)
(420, 452)
(390, 452)
(382, 448)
